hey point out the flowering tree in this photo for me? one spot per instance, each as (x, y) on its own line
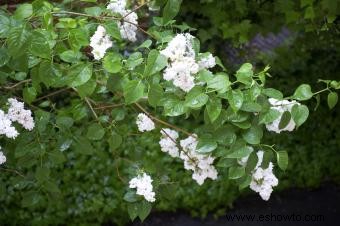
(97, 80)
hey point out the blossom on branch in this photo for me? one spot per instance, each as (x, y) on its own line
(143, 184)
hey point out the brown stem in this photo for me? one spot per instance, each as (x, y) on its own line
(51, 94)
(17, 84)
(90, 106)
(163, 122)
(13, 171)
(108, 106)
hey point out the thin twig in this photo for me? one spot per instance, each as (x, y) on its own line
(17, 84)
(163, 122)
(90, 106)
(13, 171)
(51, 94)
(134, 10)
(108, 106)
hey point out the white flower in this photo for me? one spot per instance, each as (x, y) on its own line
(281, 106)
(6, 127)
(182, 66)
(128, 28)
(144, 123)
(143, 184)
(263, 180)
(117, 6)
(100, 42)
(17, 113)
(207, 62)
(168, 144)
(200, 164)
(129, 25)
(2, 157)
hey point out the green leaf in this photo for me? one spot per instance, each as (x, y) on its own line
(206, 145)
(303, 92)
(29, 94)
(240, 152)
(112, 29)
(134, 60)
(220, 83)
(332, 99)
(155, 94)
(235, 99)
(226, 162)
(236, 172)
(253, 135)
(282, 159)
(131, 196)
(112, 62)
(23, 11)
(95, 132)
(42, 174)
(251, 162)
(245, 182)
(39, 45)
(80, 74)
(83, 146)
(70, 56)
(214, 108)
(144, 210)
(18, 39)
(115, 141)
(133, 91)
(270, 116)
(251, 107)
(78, 38)
(273, 93)
(155, 63)
(87, 88)
(195, 99)
(170, 10)
(285, 119)
(132, 209)
(4, 57)
(245, 73)
(5, 25)
(299, 114)
(93, 11)
(30, 198)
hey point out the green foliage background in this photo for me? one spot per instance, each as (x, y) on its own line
(74, 188)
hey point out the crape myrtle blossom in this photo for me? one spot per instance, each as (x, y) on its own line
(2, 157)
(143, 184)
(182, 65)
(100, 42)
(128, 26)
(17, 113)
(207, 62)
(200, 164)
(263, 180)
(168, 142)
(281, 106)
(144, 123)
(6, 127)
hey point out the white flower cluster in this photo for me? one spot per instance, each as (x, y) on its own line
(182, 64)
(16, 113)
(144, 187)
(281, 106)
(2, 157)
(200, 164)
(207, 62)
(6, 127)
(168, 144)
(144, 123)
(128, 27)
(263, 180)
(100, 42)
